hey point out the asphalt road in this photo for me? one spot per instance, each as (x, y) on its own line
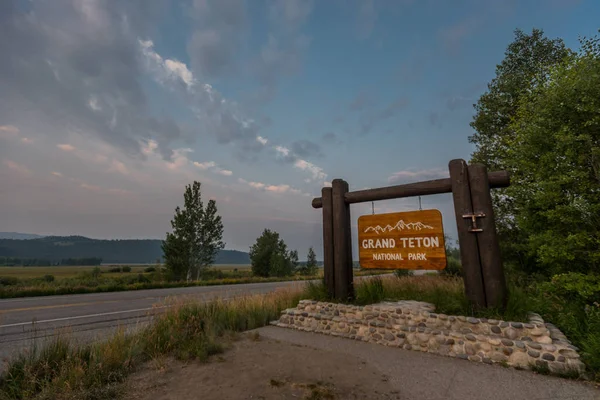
(88, 317)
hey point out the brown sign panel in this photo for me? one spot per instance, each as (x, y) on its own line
(403, 240)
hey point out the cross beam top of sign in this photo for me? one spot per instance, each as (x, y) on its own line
(415, 240)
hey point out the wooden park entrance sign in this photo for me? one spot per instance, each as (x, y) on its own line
(404, 240)
(470, 185)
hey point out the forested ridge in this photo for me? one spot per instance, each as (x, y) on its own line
(55, 249)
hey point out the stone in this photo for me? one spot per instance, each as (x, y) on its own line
(544, 340)
(493, 321)
(507, 351)
(516, 325)
(389, 337)
(462, 356)
(408, 347)
(498, 357)
(494, 342)
(536, 332)
(443, 317)
(377, 336)
(503, 324)
(568, 353)
(526, 339)
(561, 359)
(535, 346)
(450, 341)
(470, 337)
(486, 360)
(541, 363)
(520, 345)
(465, 331)
(529, 326)
(511, 333)
(400, 335)
(496, 329)
(507, 342)
(475, 358)
(548, 357)
(422, 337)
(533, 353)
(473, 320)
(470, 349)
(519, 359)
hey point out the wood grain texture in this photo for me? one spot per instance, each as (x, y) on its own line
(497, 179)
(469, 248)
(342, 264)
(489, 248)
(328, 272)
(404, 240)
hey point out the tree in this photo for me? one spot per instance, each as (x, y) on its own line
(526, 65)
(555, 160)
(270, 257)
(311, 263)
(196, 238)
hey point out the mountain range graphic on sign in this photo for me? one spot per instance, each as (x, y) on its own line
(400, 225)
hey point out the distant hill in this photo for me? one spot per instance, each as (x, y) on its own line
(17, 235)
(135, 251)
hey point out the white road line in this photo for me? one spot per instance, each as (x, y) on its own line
(101, 314)
(80, 316)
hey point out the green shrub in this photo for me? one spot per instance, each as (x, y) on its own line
(48, 278)
(149, 269)
(403, 272)
(115, 269)
(574, 286)
(126, 268)
(8, 280)
(453, 267)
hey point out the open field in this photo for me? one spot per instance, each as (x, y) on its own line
(62, 271)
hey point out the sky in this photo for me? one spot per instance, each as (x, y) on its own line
(108, 109)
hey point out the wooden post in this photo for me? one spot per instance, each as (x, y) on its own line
(328, 266)
(469, 250)
(341, 227)
(489, 248)
(349, 262)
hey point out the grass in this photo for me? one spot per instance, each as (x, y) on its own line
(62, 370)
(446, 293)
(47, 281)
(62, 271)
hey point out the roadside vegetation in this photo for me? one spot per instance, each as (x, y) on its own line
(62, 370)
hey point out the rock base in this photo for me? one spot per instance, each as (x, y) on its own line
(413, 325)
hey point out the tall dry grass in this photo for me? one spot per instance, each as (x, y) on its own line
(63, 370)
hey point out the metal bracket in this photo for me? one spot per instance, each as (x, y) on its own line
(473, 218)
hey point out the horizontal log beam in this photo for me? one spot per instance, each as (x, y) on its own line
(497, 179)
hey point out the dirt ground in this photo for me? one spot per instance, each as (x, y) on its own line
(261, 368)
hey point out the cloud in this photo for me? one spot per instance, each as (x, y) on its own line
(77, 66)
(218, 31)
(218, 117)
(8, 131)
(370, 121)
(284, 151)
(316, 172)
(330, 138)
(281, 188)
(26, 140)
(282, 53)
(57, 174)
(212, 166)
(305, 148)
(224, 172)
(205, 165)
(409, 176)
(13, 166)
(65, 147)
(261, 140)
